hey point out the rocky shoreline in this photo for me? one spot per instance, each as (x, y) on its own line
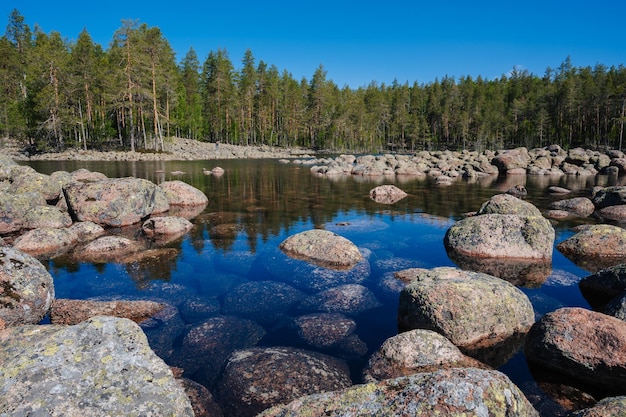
(457, 324)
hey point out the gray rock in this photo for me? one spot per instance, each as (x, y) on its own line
(322, 248)
(603, 286)
(508, 204)
(581, 344)
(507, 160)
(617, 307)
(13, 207)
(26, 288)
(609, 196)
(257, 378)
(581, 206)
(36, 182)
(101, 367)
(84, 175)
(387, 194)
(179, 193)
(471, 309)
(454, 393)
(414, 352)
(112, 202)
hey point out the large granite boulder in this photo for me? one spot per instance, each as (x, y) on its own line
(580, 206)
(387, 194)
(14, 206)
(453, 393)
(505, 227)
(581, 344)
(511, 159)
(36, 182)
(101, 367)
(26, 288)
(609, 196)
(607, 407)
(180, 193)
(112, 202)
(258, 378)
(471, 309)
(596, 247)
(323, 248)
(603, 286)
(413, 352)
(46, 243)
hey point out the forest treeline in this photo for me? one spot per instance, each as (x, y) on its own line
(134, 95)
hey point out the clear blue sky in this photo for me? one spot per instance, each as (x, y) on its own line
(362, 41)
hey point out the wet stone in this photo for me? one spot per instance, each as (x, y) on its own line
(350, 299)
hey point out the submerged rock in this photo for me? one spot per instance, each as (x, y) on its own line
(471, 309)
(349, 299)
(257, 378)
(101, 367)
(454, 392)
(26, 288)
(323, 248)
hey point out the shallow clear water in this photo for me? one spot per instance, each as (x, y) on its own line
(262, 202)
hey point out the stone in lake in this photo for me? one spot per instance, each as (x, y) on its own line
(387, 194)
(475, 311)
(581, 344)
(102, 366)
(261, 301)
(26, 288)
(112, 202)
(611, 406)
(46, 243)
(180, 193)
(349, 299)
(324, 330)
(71, 312)
(108, 249)
(322, 248)
(258, 378)
(453, 392)
(609, 196)
(581, 206)
(596, 247)
(165, 229)
(413, 352)
(603, 286)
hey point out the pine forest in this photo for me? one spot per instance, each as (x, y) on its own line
(57, 94)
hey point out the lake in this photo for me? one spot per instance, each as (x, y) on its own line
(257, 204)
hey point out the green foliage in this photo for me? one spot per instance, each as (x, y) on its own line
(55, 94)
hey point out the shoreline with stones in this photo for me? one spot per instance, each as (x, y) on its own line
(455, 366)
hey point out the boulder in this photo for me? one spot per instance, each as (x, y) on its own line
(112, 202)
(108, 249)
(164, 229)
(202, 401)
(349, 299)
(613, 213)
(261, 301)
(453, 392)
(13, 207)
(71, 312)
(508, 204)
(26, 288)
(322, 248)
(558, 190)
(258, 378)
(518, 191)
(46, 243)
(35, 182)
(86, 231)
(611, 406)
(581, 344)
(387, 194)
(471, 309)
(324, 330)
(609, 196)
(603, 286)
(85, 175)
(617, 307)
(180, 193)
(620, 163)
(596, 247)
(581, 206)
(413, 352)
(101, 367)
(511, 159)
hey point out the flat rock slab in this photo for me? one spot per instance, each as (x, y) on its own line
(455, 392)
(322, 248)
(101, 367)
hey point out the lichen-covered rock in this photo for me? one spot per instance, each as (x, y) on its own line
(13, 207)
(387, 194)
(108, 249)
(69, 312)
(46, 217)
(581, 344)
(508, 204)
(581, 206)
(603, 244)
(613, 213)
(112, 202)
(323, 248)
(349, 299)
(26, 288)
(86, 231)
(413, 352)
(607, 407)
(453, 393)
(46, 243)
(324, 330)
(261, 301)
(85, 175)
(258, 378)
(101, 367)
(468, 308)
(164, 229)
(202, 401)
(609, 196)
(35, 182)
(601, 287)
(180, 193)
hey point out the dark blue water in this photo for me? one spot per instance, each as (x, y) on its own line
(259, 203)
